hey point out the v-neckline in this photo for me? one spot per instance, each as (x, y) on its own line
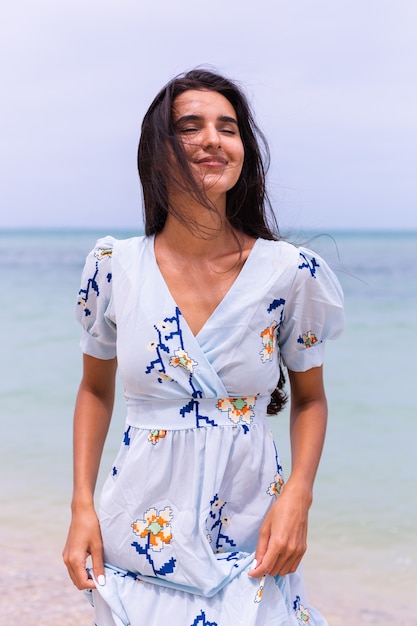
(226, 297)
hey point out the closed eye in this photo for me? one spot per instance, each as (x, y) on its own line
(228, 131)
(188, 130)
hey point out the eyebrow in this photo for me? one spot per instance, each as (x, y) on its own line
(198, 118)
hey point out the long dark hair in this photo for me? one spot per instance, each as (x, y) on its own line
(247, 203)
(248, 209)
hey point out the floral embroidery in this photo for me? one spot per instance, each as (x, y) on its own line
(216, 503)
(126, 436)
(181, 359)
(101, 253)
(276, 486)
(155, 435)
(260, 591)
(155, 528)
(308, 339)
(301, 613)
(84, 294)
(239, 409)
(163, 325)
(164, 376)
(275, 304)
(168, 331)
(92, 284)
(311, 265)
(201, 620)
(218, 521)
(269, 342)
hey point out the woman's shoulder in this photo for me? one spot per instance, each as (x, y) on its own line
(303, 267)
(300, 255)
(280, 250)
(103, 247)
(107, 245)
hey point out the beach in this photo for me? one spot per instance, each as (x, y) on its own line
(361, 565)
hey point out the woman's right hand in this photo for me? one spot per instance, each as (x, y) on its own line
(84, 540)
(92, 416)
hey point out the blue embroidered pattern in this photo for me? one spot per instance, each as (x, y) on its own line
(194, 405)
(126, 436)
(167, 330)
(310, 265)
(201, 620)
(277, 484)
(85, 293)
(155, 528)
(269, 334)
(301, 613)
(92, 284)
(219, 522)
(275, 304)
(308, 339)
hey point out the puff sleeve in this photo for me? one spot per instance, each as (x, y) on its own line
(313, 313)
(94, 308)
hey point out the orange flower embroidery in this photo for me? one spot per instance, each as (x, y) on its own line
(155, 435)
(101, 253)
(239, 409)
(156, 527)
(308, 339)
(269, 342)
(301, 613)
(181, 359)
(275, 488)
(260, 591)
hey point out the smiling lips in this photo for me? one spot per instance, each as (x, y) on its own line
(213, 161)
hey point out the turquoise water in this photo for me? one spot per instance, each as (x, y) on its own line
(365, 509)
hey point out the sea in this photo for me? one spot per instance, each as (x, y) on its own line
(363, 523)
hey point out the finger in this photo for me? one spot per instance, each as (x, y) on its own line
(75, 563)
(98, 564)
(265, 564)
(79, 574)
(252, 572)
(261, 549)
(287, 566)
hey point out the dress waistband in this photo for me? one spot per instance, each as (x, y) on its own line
(196, 412)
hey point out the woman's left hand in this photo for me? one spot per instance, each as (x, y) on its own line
(283, 535)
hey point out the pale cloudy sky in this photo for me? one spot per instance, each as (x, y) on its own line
(333, 84)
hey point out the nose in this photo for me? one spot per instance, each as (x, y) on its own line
(211, 137)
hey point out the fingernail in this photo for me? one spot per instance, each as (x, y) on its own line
(101, 580)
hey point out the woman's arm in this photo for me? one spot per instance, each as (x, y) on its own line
(92, 417)
(283, 535)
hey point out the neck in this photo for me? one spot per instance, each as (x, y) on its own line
(201, 240)
(201, 231)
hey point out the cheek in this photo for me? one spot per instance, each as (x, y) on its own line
(240, 160)
(240, 153)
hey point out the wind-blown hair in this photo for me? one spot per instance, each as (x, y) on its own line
(247, 202)
(163, 165)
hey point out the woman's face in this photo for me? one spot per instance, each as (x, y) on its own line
(206, 123)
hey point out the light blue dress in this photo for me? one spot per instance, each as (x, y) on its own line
(198, 469)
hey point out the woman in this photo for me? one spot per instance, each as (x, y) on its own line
(196, 523)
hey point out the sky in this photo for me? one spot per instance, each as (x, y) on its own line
(333, 84)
